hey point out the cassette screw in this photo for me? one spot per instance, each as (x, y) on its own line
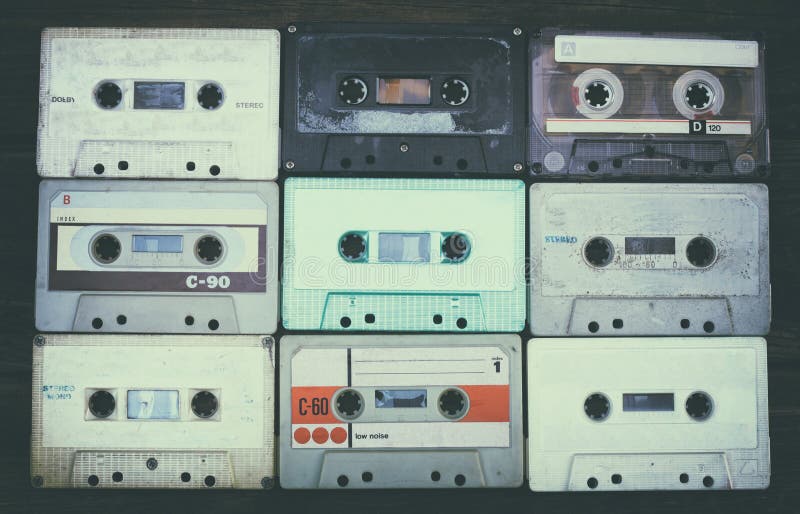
(39, 340)
(517, 31)
(267, 483)
(289, 165)
(404, 147)
(37, 481)
(517, 167)
(151, 464)
(292, 29)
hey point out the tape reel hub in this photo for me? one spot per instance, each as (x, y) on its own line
(108, 95)
(205, 404)
(349, 404)
(453, 403)
(599, 252)
(455, 247)
(697, 93)
(597, 93)
(102, 404)
(455, 92)
(210, 96)
(352, 91)
(208, 249)
(106, 248)
(701, 252)
(353, 247)
(699, 406)
(597, 406)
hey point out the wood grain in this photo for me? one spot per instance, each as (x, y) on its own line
(20, 25)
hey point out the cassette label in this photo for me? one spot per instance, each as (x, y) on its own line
(404, 98)
(621, 104)
(159, 103)
(211, 246)
(366, 394)
(152, 411)
(669, 413)
(646, 259)
(374, 262)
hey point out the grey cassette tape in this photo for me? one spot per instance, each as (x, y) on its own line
(649, 259)
(648, 413)
(392, 411)
(159, 103)
(444, 255)
(187, 257)
(125, 411)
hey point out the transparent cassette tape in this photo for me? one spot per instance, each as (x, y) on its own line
(159, 103)
(392, 411)
(649, 259)
(152, 411)
(622, 414)
(400, 254)
(187, 257)
(660, 105)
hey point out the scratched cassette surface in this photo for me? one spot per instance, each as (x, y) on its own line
(663, 105)
(135, 411)
(185, 257)
(159, 103)
(404, 254)
(445, 99)
(393, 411)
(649, 259)
(648, 413)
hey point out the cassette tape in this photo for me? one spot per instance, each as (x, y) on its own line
(404, 98)
(658, 413)
(136, 411)
(378, 254)
(391, 411)
(649, 259)
(186, 257)
(664, 105)
(159, 103)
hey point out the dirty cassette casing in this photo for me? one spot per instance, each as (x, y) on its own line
(159, 103)
(190, 256)
(649, 259)
(392, 411)
(152, 411)
(665, 105)
(648, 413)
(404, 98)
(404, 254)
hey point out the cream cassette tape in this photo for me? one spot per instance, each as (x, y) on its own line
(186, 257)
(648, 413)
(136, 411)
(649, 259)
(404, 254)
(607, 104)
(392, 411)
(159, 103)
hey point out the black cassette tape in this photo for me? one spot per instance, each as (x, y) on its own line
(412, 98)
(607, 104)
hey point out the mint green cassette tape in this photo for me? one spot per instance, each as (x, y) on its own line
(381, 254)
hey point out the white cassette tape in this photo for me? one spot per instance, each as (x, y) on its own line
(190, 256)
(392, 411)
(649, 259)
(134, 411)
(648, 413)
(404, 254)
(159, 103)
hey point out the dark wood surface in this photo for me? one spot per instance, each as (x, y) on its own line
(20, 25)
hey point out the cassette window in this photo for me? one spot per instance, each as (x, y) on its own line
(159, 95)
(399, 91)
